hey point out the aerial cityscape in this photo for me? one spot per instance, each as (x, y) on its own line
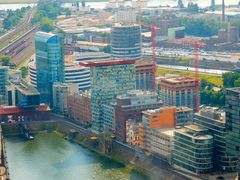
(119, 89)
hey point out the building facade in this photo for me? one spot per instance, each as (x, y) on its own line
(130, 106)
(60, 94)
(144, 75)
(232, 104)
(79, 107)
(193, 149)
(179, 91)
(108, 79)
(153, 119)
(73, 74)
(126, 42)
(132, 132)
(162, 143)
(49, 63)
(3, 83)
(213, 119)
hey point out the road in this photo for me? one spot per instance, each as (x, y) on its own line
(23, 46)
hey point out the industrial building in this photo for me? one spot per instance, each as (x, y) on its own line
(193, 149)
(3, 83)
(60, 94)
(179, 91)
(232, 123)
(213, 119)
(108, 79)
(49, 64)
(126, 42)
(144, 75)
(79, 107)
(130, 106)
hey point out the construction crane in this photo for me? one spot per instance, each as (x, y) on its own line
(154, 29)
(196, 46)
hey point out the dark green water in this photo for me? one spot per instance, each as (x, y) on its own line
(50, 157)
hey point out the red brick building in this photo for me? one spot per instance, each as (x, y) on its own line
(79, 107)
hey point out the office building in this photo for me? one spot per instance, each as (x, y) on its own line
(109, 117)
(179, 91)
(73, 74)
(79, 108)
(193, 149)
(162, 120)
(3, 84)
(232, 106)
(153, 119)
(128, 15)
(162, 142)
(183, 116)
(108, 79)
(130, 106)
(49, 64)
(60, 94)
(213, 119)
(22, 95)
(126, 42)
(144, 75)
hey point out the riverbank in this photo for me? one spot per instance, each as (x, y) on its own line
(133, 159)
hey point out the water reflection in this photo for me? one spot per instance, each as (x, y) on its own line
(51, 157)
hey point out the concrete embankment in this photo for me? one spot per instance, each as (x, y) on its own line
(138, 161)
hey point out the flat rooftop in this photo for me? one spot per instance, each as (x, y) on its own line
(106, 62)
(178, 79)
(26, 89)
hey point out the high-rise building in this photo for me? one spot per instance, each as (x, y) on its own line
(213, 119)
(60, 94)
(126, 42)
(3, 83)
(49, 63)
(193, 149)
(130, 106)
(144, 75)
(178, 91)
(108, 79)
(232, 107)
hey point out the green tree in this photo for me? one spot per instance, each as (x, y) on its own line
(5, 60)
(237, 83)
(24, 71)
(46, 24)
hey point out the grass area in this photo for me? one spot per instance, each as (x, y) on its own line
(17, 1)
(214, 79)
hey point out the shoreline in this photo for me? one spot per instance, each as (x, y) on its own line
(120, 153)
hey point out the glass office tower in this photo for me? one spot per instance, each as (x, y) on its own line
(49, 64)
(3, 83)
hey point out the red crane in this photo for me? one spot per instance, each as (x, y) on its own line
(153, 36)
(196, 46)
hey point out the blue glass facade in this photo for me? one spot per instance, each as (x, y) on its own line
(49, 64)
(3, 83)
